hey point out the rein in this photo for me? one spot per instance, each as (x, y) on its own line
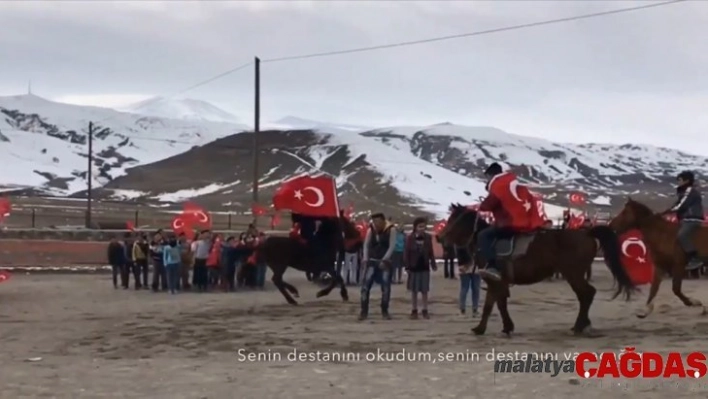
(471, 241)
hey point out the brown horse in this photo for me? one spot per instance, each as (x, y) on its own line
(660, 238)
(533, 257)
(279, 253)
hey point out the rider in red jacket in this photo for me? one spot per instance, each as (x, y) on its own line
(514, 210)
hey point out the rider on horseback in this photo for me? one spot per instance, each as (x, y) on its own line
(512, 206)
(689, 212)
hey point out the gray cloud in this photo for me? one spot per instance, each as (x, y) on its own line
(630, 77)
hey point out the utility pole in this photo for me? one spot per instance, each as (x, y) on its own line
(256, 130)
(89, 176)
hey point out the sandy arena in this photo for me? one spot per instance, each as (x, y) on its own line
(73, 336)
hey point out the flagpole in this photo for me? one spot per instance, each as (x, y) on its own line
(256, 130)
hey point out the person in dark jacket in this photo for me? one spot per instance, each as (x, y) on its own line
(141, 251)
(159, 274)
(689, 212)
(116, 258)
(129, 263)
(229, 255)
(378, 248)
(419, 258)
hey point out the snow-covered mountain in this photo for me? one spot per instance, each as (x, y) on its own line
(293, 122)
(44, 144)
(395, 169)
(187, 109)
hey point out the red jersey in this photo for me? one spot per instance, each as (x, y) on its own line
(512, 204)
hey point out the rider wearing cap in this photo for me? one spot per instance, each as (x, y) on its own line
(512, 206)
(689, 212)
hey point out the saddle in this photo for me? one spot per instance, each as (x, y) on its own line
(514, 247)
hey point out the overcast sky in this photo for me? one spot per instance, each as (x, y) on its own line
(633, 77)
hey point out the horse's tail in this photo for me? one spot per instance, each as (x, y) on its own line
(612, 252)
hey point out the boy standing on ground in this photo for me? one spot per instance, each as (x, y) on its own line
(419, 259)
(200, 275)
(116, 258)
(141, 249)
(378, 249)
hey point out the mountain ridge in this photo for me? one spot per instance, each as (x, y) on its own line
(410, 168)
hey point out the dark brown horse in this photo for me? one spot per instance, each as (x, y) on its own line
(533, 257)
(279, 253)
(660, 238)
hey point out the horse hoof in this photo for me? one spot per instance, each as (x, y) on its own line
(320, 294)
(705, 311)
(478, 330)
(345, 299)
(694, 302)
(293, 303)
(507, 334)
(296, 294)
(648, 309)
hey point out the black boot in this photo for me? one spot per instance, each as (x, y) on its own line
(693, 262)
(492, 271)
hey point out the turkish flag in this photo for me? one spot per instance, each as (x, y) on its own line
(671, 217)
(309, 196)
(361, 227)
(130, 225)
(4, 276)
(193, 214)
(275, 220)
(576, 198)
(5, 208)
(576, 222)
(439, 226)
(258, 210)
(180, 224)
(349, 211)
(636, 258)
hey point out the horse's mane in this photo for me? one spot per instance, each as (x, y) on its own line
(641, 211)
(467, 214)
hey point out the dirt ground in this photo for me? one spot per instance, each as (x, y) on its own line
(74, 336)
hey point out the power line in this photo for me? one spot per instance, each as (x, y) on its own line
(471, 34)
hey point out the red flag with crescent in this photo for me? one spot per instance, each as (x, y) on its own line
(309, 196)
(5, 208)
(180, 224)
(349, 211)
(576, 198)
(275, 220)
(258, 210)
(4, 276)
(439, 226)
(195, 215)
(636, 258)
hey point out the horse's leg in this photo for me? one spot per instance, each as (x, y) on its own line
(333, 282)
(504, 295)
(343, 289)
(676, 281)
(489, 301)
(291, 289)
(653, 290)
(277, 280)
(586, 294)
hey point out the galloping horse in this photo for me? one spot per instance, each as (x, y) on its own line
(660, 238)
(533, 257)
(283, 252)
